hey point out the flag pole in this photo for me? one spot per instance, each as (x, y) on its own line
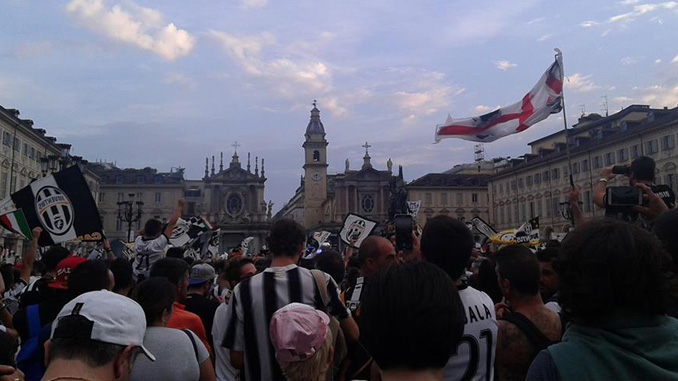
(559, 58)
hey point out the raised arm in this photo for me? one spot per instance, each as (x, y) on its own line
(577, 214)
(175, 217)
(28, 258)
(600, 187)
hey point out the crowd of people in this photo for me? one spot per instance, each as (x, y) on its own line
(601, 304)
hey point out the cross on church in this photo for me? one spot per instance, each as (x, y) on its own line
(367, 147)
(314, 103)
(235, 145)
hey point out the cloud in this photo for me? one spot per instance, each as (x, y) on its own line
(580, 83)
(504, 65)
(658, 61)
(588, 24)
(426, 93)
(247, 4)
(628, 2)
(626, 61)
(180, 79)
(544, 37)
(642, 9)
(296, 73)
(622, 99)
(675, 59)
(33, 49)
(660, 96)
(137, 26)
(482, 109)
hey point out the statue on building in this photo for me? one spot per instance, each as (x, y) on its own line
(389, 165)
(269, 213)
(398, 195)
(347, 165)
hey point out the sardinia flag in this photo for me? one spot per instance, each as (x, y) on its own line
(543, 100)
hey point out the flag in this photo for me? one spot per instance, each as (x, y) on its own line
(187, 230)
(16, 223)
(321, 237)
(543, 100)
(247, 249)
(356, 228)
(483, 227)
(413, 207)
(62, 205)
(528, 232)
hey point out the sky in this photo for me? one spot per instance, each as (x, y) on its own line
(165, 83)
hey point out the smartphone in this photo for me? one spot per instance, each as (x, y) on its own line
(621, 170)
(624, 196)
(403, 231)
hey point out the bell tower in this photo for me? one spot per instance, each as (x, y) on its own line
(315, 170)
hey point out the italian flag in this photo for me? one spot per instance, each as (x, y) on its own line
(16, 222)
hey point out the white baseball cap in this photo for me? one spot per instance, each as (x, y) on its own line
(115, 319)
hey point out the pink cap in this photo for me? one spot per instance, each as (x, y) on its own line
(298, 331)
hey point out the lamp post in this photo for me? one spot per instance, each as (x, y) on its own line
(126, 213)
(566, 211)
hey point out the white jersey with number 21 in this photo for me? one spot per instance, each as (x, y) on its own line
(474, 356)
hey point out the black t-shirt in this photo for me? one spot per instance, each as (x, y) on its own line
(48, 311)
(205, 309)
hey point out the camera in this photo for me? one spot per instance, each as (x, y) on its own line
(624, 196)
(403, 230)
(621, 170)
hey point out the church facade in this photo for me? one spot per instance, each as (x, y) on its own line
(322, 200)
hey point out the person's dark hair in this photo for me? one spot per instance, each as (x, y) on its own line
(175, 252)
(331, 262)
(234, 267)
(263, 264)
(7, 274)
(8, 348)
(487, 280)
(369, 248)
(448, 244)
(122, 273)
(152, 228)
(88, 276)
(642, 169)
(285, 238)
(189, 260)
(608, 266)
(412, 317)
(94, 353)
(666, 229)
(53, 256)
(172, 269)
(307, 263)
(154, 295)
(520, 266)
(548, 254)
(354, 262)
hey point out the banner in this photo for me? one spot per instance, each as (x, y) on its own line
(413, 207)
(321, 237)
(247, 248)
(528, 232)
(187, 230)
(356, 228)
(482, 227)
(61, 204)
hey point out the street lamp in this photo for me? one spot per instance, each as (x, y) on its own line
(126, 213)
(44, 165)
(566, 211)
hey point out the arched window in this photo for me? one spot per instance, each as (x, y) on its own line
(316, 155)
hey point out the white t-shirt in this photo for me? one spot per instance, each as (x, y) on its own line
(474, 358)
(147, 253)
(222, 362)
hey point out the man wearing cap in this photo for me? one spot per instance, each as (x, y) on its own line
(96, 336)
(200, 283)
(302, 341)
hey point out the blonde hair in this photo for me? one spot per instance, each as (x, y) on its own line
(312, 369)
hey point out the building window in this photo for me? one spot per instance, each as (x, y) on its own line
(118, 224)
(119, 179)
(555, 174)
(537, 178)
(316, 155)
(528, 181)
(234, 204)
(531, 209)
(635, 151)
(514, 185)
(520, 183)
(548, 207)
(474, 197)
(501, 188)
(158, 197)
(501, 214)
(587, 201)
(651, 147)
(522, 212)
(7, 139)
(668, 142)
(3, 184)
(121, 197)
(25, 149)
(539, 208)
(443, 198)
(671, 181)
(101, 197)
(31, 153)
(585, 165)
(546, 176)
(622, 155)
(367, 203)
(597, 162)
(508, 214)
(609, 158)
(516, 216)
(575, 168)
(460, 199)
(17, 144)
(428, 198)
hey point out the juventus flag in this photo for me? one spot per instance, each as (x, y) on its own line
(62, 205)
(543, 100)
(356, 228)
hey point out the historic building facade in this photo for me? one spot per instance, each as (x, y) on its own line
(537, 183)
(322, 200)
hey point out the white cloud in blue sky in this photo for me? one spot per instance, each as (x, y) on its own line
(165, 83)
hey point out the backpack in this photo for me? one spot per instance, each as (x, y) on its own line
(29, 359)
